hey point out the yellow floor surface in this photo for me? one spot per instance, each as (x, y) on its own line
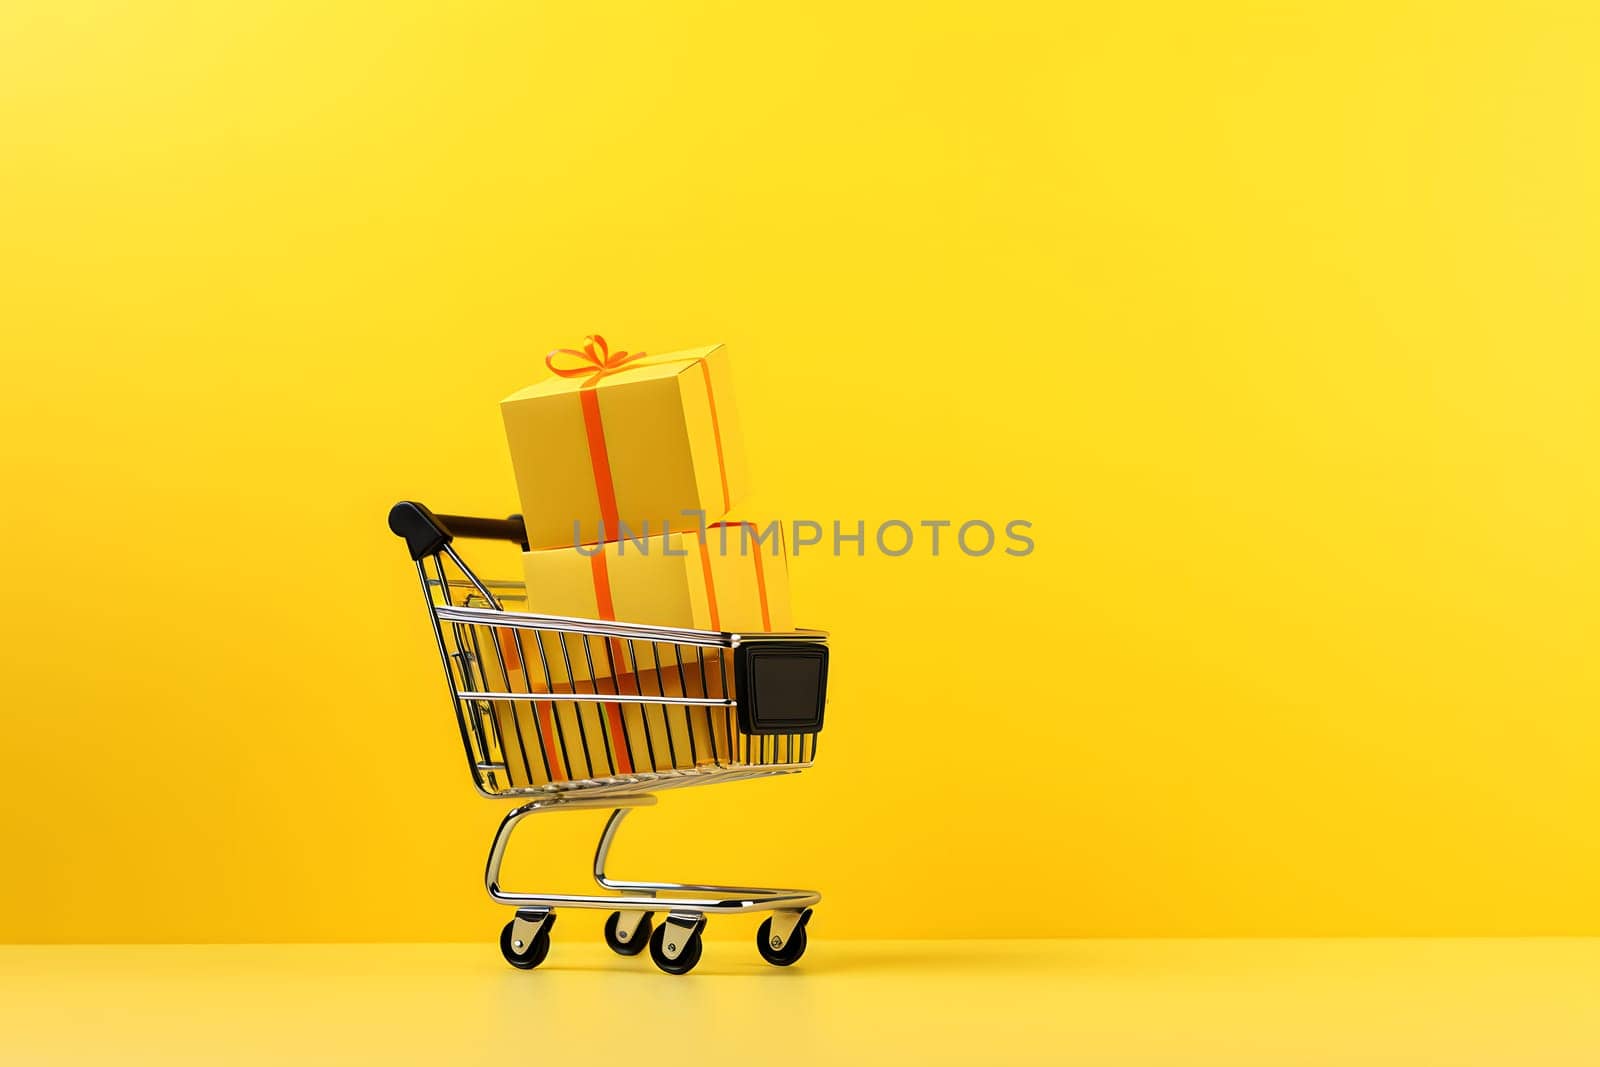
(1457, 1002)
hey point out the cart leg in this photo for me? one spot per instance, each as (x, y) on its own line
(502, 837)
(629, 925)
(602, 852)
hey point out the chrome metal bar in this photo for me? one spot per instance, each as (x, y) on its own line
(450, 678)
(555, 712)
(570, 624)
(482, 715)
(494, 605)
(609, 698)
(603, 851)
(655, 781)
(538, 731)
(727, 901)
(577, 708)
(505, 585)
(710, 905)
(600, 627)
(607, 742)
(465, 711)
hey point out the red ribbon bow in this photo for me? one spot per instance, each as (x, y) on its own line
(597, 360)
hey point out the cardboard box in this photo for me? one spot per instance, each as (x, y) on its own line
(621, 439)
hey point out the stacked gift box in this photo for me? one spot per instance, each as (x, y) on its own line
(629, 469)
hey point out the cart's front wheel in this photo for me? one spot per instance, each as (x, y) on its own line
(525, 956)
(787, 952)
(635, 942)
(688, 954)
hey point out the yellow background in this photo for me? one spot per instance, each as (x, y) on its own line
(1278, 321)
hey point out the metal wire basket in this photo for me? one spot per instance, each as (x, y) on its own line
(590, 713)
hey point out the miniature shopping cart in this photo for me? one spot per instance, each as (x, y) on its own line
(583, 714)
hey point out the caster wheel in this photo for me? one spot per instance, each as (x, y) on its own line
(686, 959)
(529, 956)
(792, 950)
(635, 944)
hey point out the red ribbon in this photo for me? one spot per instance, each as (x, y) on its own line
(596, 360)
(592, 363)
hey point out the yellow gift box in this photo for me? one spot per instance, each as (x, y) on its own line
(617, 440)
(735, 579)
(724, 581)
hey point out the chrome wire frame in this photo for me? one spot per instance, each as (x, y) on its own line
(698, 664)
(462, 630)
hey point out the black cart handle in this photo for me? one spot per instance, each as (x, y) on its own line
(426, 533)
